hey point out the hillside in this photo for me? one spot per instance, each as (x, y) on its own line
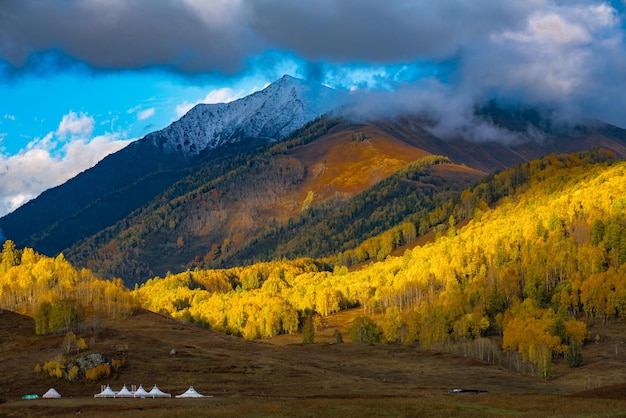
(130, 178)
(523, 299)
(530, 136)
(542, 256)
(267, 176)
(399, 206)
(299, 197)
(211, 223)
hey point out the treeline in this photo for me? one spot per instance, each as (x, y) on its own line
(542, 255)
(419, 198)
(114, 251)
(60, 297)
(393, 212)
(244, 301)
(515, 286)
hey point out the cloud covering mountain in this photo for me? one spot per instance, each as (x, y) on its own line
(569, 53)
(442, 56)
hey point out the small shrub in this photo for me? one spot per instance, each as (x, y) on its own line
(100, 371)
(54, 368)
(72, 374)
(118, 363)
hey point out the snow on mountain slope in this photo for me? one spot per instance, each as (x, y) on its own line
(273, 112)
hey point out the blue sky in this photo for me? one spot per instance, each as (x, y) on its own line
(80, 79)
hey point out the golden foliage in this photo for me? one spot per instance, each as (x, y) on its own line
(545, 247)
(72, 374)
(55, 293)
(54, 368)
(546, 244)
(98, 372)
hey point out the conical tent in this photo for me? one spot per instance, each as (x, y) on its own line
(155, 392)
(106, 393)
(190, 393)
(140, 393)
(124, 393)
(51, 393)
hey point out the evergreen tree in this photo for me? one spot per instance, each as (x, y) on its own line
(364, 330)
(308, 331)
(42, 318)
(574, 354)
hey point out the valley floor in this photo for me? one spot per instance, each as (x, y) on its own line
(248, 378)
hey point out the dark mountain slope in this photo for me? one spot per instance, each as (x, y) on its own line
(256, 209)
(216, 214)
(532, 138)
(114, 173)
(130, 178)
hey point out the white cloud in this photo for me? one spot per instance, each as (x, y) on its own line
(49, 161)
(550, 28)
(451, 115)
(142, 114)
(220, 13)
(146, 114)
(73, 124)
(566, 55)
(223, 95)
(183, 108)
(9, 117)
(134, 109)
(47, 143)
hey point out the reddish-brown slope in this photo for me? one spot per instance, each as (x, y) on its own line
(337, 166)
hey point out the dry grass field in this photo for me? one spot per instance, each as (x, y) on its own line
(282, 377)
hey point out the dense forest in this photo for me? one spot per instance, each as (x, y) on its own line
(541, 254)
(60, 297)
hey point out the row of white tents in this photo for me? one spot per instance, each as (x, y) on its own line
(140, 392)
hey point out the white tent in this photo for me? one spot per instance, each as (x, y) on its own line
(190, 393)
(106, 393)
(140, 393)
(124, 393)
(51, 393)
(155, 392)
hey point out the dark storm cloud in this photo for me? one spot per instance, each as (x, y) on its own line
(381, 32)
(217, 35)
(569, 54)
(189, 36)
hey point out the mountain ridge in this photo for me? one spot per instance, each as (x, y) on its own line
(171, 153)
(264, 199)
(273, 113)
(222, 176)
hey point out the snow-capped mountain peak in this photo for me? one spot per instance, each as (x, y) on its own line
(273, 112)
